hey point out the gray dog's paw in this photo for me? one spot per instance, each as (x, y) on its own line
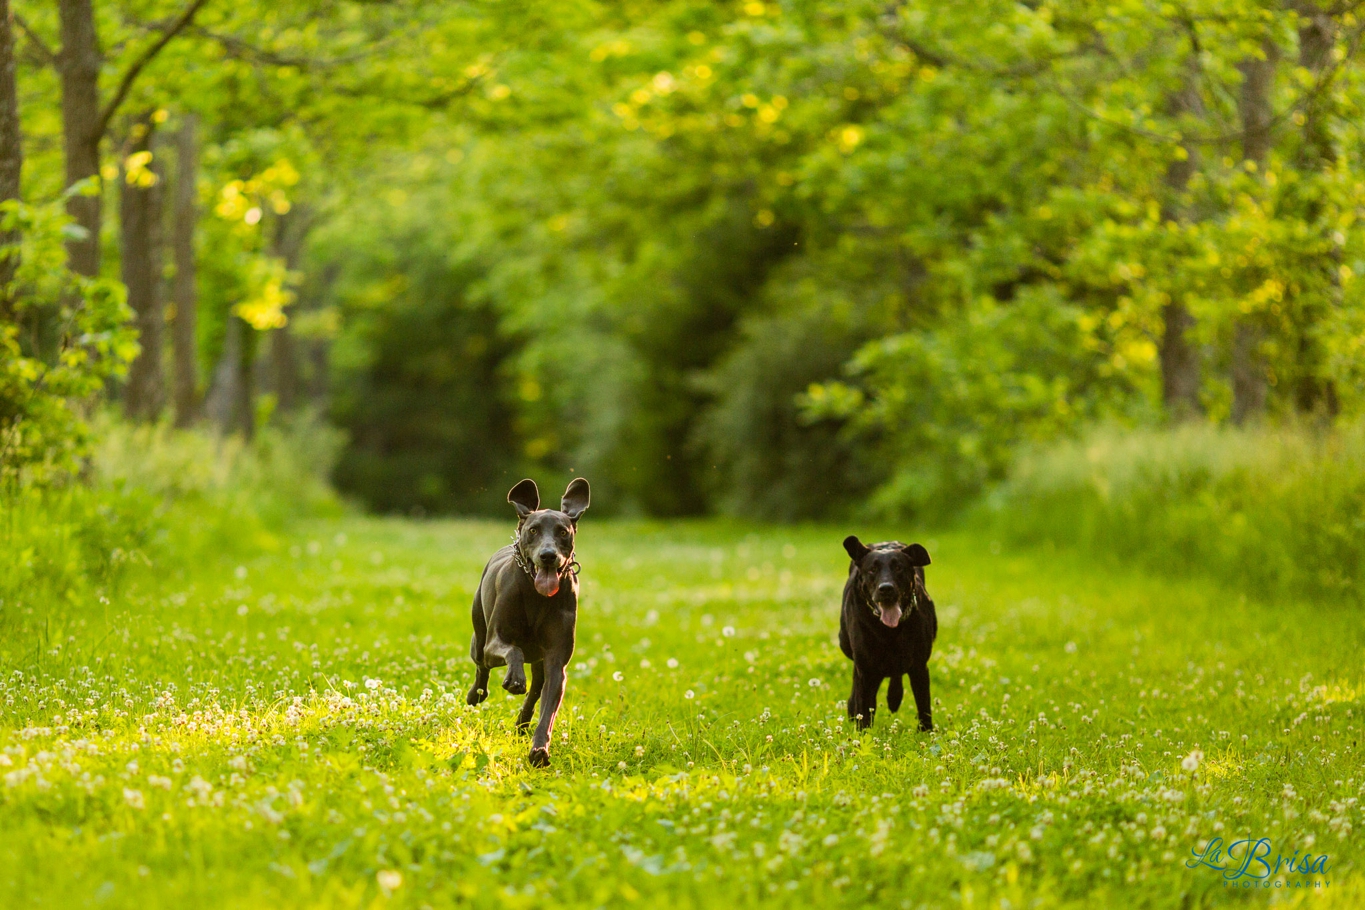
(515, 684)
(539, 758)
(475, 696)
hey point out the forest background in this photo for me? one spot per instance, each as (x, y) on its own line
(782, 261)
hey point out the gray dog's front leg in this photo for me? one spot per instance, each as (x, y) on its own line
(551, 697)
(499, 652)
(515, 680)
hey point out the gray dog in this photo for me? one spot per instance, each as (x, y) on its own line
(526, 608)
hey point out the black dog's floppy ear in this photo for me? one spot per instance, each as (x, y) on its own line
(576, 498)
(918, 555)
(855, 548)
(525, 497)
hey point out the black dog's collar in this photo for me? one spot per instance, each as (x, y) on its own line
(570, 566)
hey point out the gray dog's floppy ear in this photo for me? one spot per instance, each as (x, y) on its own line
(576, 498)
(525, 497)
(918, 555)
(855, 548)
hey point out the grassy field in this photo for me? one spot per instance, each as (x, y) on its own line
(291, 731)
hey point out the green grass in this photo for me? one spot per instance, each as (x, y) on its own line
(291, 731)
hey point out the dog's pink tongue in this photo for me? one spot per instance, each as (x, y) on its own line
(547, 581)
(891, 616)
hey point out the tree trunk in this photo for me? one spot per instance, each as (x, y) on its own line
(291, 229)
(11, 152)
(1180, 380)
(1249, 383)
(231, 401)
(244, 408)
(284, 368)
(1248, 372)
(79, 65)
(1179, 364)
(185, 292)
(1313, 390)
(139, 223)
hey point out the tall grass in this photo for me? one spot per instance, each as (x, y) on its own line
(1270, 512)
(156, 499)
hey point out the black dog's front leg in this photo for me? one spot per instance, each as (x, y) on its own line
(551, 698)
(528, 707)
(919, 684)
(862, 704)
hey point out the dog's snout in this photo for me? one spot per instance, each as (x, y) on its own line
(886, 591)
(548, 557)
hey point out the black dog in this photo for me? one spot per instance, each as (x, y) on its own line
(887, 627)
(526, 608)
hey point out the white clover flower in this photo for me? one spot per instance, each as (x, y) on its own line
(618, 676)
(689, 694)
(644, 663)
(373, 684)
(134, 798)
(672, 663)
(813, 683)
(1191, 762)
(1071, 647)
(242, 610)
(390, 879)
(728, 631)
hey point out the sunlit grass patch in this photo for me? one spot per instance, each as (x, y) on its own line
(290, 728)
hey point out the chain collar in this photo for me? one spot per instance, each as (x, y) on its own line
(571, 566)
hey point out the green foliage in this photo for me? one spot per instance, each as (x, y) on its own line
(62, 336)
(288, 728)
(645, 188)
(950, 407)
(153, 499)
(419, 378)
(1273, 513)
(768, 461)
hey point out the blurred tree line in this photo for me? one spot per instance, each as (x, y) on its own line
(780, 260)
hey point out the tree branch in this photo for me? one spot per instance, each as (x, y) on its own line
(238, 49)
(136, 67)
(38, 43)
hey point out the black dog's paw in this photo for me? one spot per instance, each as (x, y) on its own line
(539, 758)
(859, 718)
(475, 696)
(926, 726)
(515, 684)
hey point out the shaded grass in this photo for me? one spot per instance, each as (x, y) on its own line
(289, 729)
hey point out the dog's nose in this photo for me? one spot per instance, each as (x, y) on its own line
(548, 557)
(886, 591)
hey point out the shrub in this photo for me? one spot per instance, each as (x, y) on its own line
(1269, 511)
(153, 498)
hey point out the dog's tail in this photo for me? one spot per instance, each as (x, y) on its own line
(894, 693)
